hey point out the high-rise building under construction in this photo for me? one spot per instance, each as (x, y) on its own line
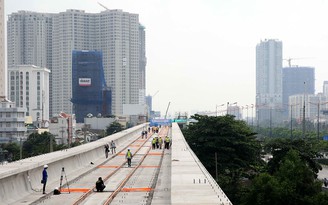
(47, 40)
(90, 92)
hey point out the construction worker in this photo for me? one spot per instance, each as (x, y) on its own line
(106, 150)
(153, 143)
(100, 186)
(167, 142)
(156, 142)
(113, 147)
(160, 142)
(44, 178)
(128, 156)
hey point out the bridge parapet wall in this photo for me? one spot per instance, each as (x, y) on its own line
(21, 178)
(190, 181)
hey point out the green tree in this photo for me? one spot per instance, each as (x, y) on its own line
(281, 146)
(265, 190)
(294, 183)
(13, 151)
(113, 128)
(237, 149)
(37, 144)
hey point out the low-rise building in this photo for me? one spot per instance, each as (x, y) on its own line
(12, 122)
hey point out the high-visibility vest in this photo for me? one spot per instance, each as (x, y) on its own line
(129, 155)
(167, 139)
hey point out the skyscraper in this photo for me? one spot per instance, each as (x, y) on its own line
(296, 80)
(269, 82)
(142, 63)
(114, 32)
(2, 52)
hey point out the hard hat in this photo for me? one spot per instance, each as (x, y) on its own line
(128, 148)
(45, 166)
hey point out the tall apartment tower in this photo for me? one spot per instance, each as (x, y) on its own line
(114, 32)
(29, 38)
(142, 63)
(2, 52)
(296, 80)
(269, 82)
(29, 41)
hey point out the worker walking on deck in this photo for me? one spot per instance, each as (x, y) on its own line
(113, 147)
(160, 142)
(106, 150)
(153, 143)
(128, 156)
(167, 142)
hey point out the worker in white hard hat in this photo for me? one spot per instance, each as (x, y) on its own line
(128, 156)
(44, 178)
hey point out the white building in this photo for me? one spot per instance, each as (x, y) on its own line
(63, 127)
(12, 122)
(313, 105)
(98, 123)
(325, 88)
(54, 36)
(29, 88)
(269, 81)
(12, 119)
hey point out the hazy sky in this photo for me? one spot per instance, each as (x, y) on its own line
(201, 53)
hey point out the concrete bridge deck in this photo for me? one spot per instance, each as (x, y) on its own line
(181, 178)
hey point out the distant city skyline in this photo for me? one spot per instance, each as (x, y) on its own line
(200, 61)
(48, 39)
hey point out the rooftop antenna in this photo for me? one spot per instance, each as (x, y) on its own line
(103, 6)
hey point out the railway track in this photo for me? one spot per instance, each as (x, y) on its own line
(124, 185)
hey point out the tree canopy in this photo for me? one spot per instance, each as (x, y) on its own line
(37, 144)
(234, 142)
(293, 183)
(290, 176)
(281, 146)
(113, 128)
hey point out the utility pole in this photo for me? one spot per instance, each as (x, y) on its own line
(51, 145)
(62, 134)
(291, 122)
(270, 122)
(20, 149)
(318, 121)
(216, 167)
(303, 122)
(252, 117)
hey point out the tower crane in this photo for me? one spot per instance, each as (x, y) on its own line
(289, 60)
(103, 6)
(167, 109)
(155, 93)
